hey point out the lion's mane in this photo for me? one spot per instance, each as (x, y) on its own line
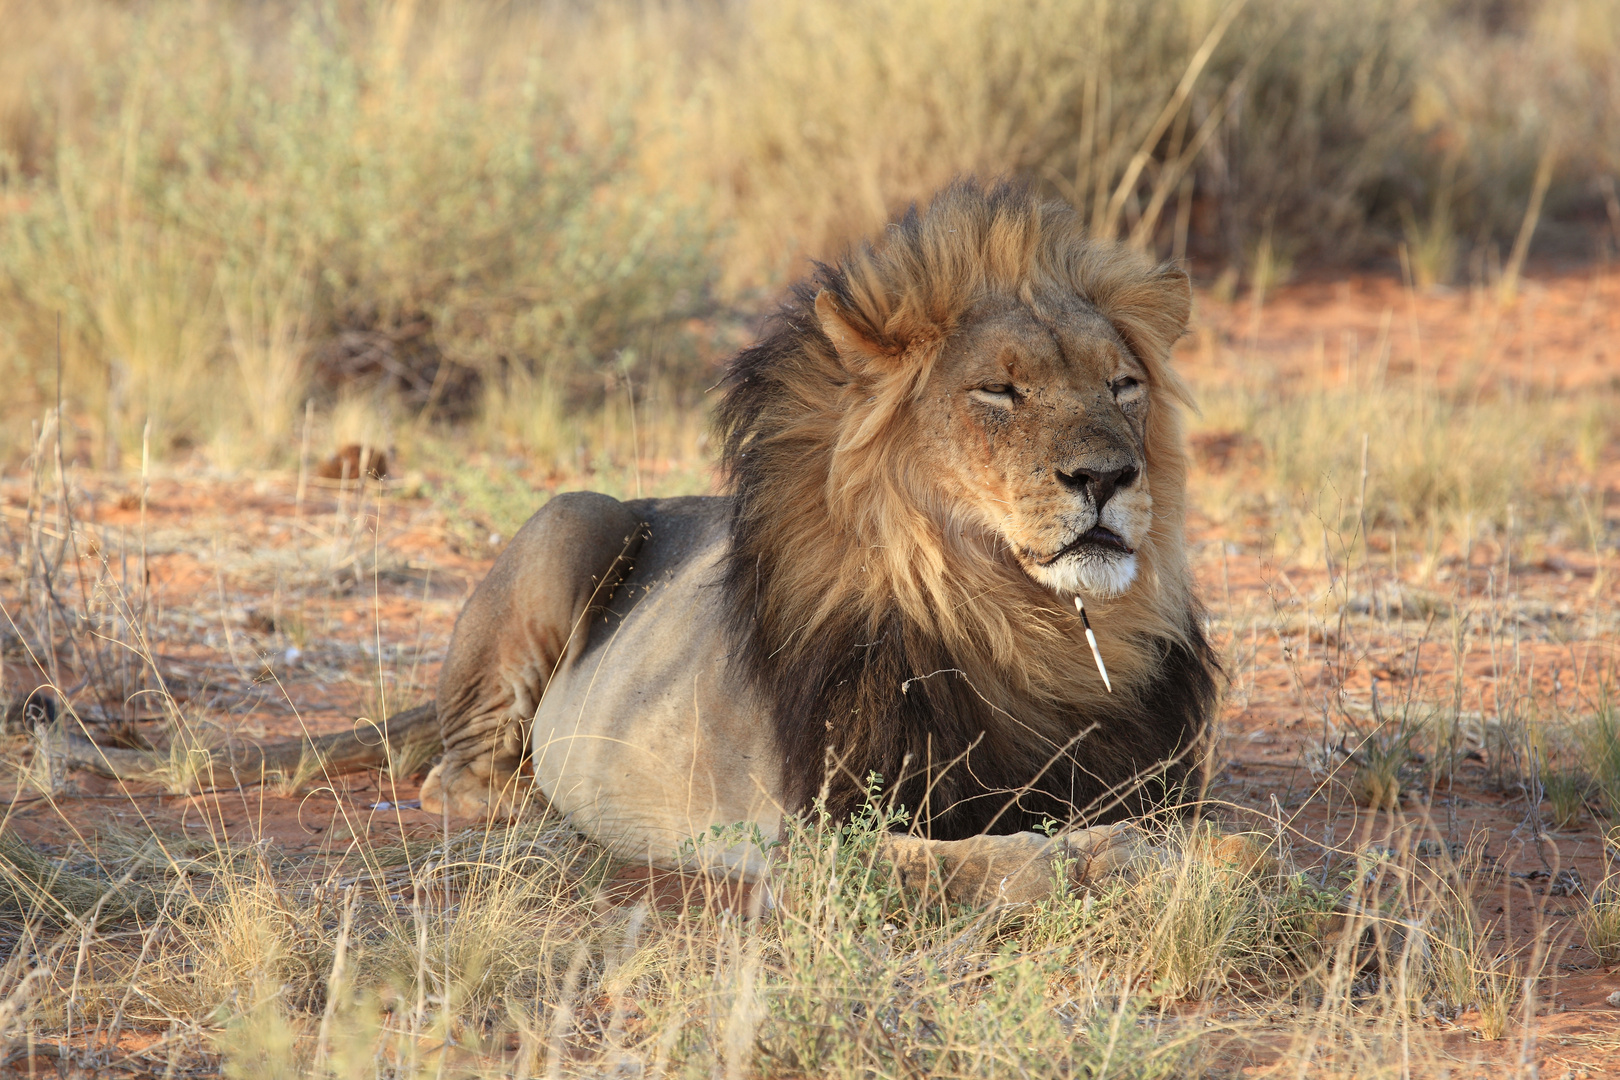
(890, 637)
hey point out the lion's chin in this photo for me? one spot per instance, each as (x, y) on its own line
(1097, 575)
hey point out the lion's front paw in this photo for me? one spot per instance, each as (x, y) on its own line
(1104, 849)
(481, 789)
(1018, 869)
(980, 870)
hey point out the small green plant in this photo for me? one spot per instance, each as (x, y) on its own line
(487, 505)
(1565, 792)
(1599, 736)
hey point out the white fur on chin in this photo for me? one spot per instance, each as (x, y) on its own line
(1103, 577)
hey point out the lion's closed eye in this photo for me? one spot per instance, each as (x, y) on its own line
(1000, 394)
(1128, 391)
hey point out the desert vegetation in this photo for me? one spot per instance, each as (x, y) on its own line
(506, 245)
(215, 214)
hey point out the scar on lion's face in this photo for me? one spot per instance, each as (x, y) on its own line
(1038, 414)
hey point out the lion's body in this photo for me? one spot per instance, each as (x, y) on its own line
(648, 737)
(932, 452)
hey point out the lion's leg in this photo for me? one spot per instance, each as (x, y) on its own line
(528, 616)
(1015, 869)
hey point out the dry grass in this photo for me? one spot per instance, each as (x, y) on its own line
(1351, 461)
(518, 950)
(489, 954)
(507, 241)
(514, 213)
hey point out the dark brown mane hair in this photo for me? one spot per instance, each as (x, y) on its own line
(885, 638)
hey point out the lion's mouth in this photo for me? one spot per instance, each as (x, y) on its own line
(1097, 540)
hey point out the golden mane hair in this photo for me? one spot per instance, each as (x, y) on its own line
(890, 637)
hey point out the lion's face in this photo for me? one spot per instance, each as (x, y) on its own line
(1036, 418)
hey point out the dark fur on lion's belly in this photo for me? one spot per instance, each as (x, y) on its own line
(961, 769)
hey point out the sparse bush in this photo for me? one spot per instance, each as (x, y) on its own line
(304, 200)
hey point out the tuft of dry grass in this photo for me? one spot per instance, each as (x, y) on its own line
(1601, 924)
(1599, 741)
(1380, 759)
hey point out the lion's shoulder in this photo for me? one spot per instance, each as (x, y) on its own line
(664, 530)
(682, 527)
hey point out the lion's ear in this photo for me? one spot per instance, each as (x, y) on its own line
(1152, 312)
(855, 349)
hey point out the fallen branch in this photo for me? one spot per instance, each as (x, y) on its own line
(363, 747)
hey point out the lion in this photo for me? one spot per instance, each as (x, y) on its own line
(937, 446)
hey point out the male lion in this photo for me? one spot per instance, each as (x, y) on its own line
(936, 446)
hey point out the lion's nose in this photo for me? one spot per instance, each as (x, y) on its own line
(1099, 484)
